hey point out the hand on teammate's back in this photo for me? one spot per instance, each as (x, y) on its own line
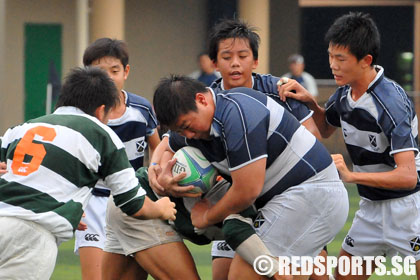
(291, 88)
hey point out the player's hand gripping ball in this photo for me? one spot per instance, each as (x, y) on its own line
(200, 172)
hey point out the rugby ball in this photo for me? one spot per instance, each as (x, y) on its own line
(200, 172)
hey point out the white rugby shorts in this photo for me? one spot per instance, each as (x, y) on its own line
(386, 227)
(28, 250)
(94, 235)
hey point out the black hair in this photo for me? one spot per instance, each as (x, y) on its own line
(106, 47)
(358, 32)
(232, 28)
(87, 89)
(175, 96)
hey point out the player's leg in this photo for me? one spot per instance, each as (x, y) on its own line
(90, 262)
(121, 267)
(220, 268)
(240, 269)
(222, 256)
(418, 269)
(168, 261)
(89, 244)
(155, 245)
(325, 276)
(364, 275)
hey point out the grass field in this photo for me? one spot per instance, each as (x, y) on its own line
(67, 267)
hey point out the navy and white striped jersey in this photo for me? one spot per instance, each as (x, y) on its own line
(267, 84)
(133, 128)
(379, 124)
(248, 126)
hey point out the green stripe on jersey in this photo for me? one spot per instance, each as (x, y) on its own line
(30, 199)
(66, 165)
(63, 163)
(133, 205)
(97, 136)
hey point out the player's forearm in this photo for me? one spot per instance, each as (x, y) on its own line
(161, 209)
(159, 150)
(320, 120)
(393, 180)
(229, 204)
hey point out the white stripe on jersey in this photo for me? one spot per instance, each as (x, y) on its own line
(130, 114)
(79, 147)
(414, 127)
(77, 112)
(275, 117)
(365, 102)
(362, 138)
(119, 184)
(131, 148)
(292, 154)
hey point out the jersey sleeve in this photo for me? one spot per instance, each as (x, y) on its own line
(245, 126)
(267, 84)
(176, 141)
(399, 119)
(152, 122)
(120, 177)
(331, 114)
(298, 109)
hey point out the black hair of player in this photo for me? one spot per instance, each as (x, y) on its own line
(106, 47)
(236, 29)
(358, 32)
(175, 96)
(87, 89)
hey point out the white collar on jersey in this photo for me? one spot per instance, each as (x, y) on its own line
(223, 87)
(379, 71)
(212, 130)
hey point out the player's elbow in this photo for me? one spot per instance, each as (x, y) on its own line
(409, 182)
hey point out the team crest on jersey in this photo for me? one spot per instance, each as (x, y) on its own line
(415, 244)
(141, 146)
(373, 142)
(259, 220)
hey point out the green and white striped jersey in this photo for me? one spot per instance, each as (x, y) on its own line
(54, 161)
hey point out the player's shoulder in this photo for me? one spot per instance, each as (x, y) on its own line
(216, 84)
(137, 100)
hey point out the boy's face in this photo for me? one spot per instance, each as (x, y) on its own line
(235, 62)
(345, 66)
(115, 70)
(196, 125)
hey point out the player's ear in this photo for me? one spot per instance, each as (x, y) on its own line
(255, 65)
(101, 114)
(126, 71)
(367, 60)
(200, 98)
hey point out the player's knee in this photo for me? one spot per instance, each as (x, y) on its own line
(236, 231)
